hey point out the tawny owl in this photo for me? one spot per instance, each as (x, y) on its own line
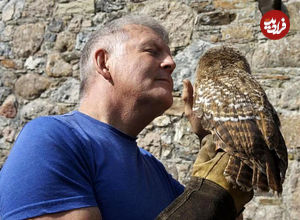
(235, 109)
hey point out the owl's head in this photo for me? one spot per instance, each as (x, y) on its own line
(218, 58)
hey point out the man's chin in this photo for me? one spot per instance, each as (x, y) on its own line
(166, 102)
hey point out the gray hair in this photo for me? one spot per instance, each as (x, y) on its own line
(111, 37)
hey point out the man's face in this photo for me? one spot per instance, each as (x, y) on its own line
(142, 73)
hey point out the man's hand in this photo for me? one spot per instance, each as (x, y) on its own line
(187, 96)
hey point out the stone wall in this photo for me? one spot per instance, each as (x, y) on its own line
(40, 43)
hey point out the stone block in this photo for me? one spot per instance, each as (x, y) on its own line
(4, 92)
(290, 96)
(277, 53)
(237, 33)
(12, 10)
(37, 107)
(175, 16)
(8, 63)
(57, 67)
(30, 86)
(216, 18)
(109, 5)
(67, 93)
(65, 41)
(38, 8)
(32, 63)
(8, 11)
(5, 49)
(27, 39)
(2, 4)
(7, 78)
(290, 128)
(9, 107)
(177, 107)
(6, 33)
(294, 15)
(56, 25)
(75, 7)
(230, 4)
(162, 121)
(75, 24)
(203, 6)
(8, 134)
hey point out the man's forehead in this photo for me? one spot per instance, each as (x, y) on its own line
(144, 34)
(136, 30)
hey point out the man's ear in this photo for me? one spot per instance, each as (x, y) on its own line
(100, 63)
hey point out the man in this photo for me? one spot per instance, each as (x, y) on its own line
(86, 164)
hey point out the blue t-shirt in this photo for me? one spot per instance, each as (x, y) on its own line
(71, 161)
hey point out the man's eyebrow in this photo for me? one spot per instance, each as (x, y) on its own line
(149, 43)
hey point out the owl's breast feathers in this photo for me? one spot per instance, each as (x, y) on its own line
(234, 107)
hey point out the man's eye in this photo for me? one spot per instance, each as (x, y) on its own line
(151, 51)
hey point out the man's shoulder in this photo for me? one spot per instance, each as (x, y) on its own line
(52, 122)
(54, 127)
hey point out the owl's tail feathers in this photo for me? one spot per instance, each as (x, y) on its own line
(261, 181)
(273, 175)
(238, 174)
(242, 176)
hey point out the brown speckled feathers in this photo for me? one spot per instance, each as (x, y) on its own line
(234, 107)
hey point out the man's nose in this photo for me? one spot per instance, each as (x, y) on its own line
(168, 64)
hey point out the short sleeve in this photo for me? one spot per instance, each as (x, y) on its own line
(47, 171)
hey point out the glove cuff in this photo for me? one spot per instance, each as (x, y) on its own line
(201, 199)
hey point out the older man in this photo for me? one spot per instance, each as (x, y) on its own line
(86, 164)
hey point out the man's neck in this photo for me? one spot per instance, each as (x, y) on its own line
(129, 119)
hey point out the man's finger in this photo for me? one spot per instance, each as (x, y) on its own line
(187, 96)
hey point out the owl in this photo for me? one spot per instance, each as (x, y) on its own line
(233, 106)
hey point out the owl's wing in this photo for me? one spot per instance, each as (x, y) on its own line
(235, 109)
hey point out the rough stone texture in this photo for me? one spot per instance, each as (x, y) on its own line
(7, 78)
(7, 63)
(56, 25)
(4, 92)
(57, 67)
(188, 58)
(12, 10)
(30, 86)
(216, 18)
(37, 8)
(230, 4)
(37, 107)
(68, 92)
(109, 5)
(278, 53)
(65, 41)
(8, 108)
(175, 16)
(290, 127)
(294, 13)
(8, 11)
(75, 24)
(75, 7)
(32, 63)
(40, 44)
(5, 50)
(27, 39)
(237, 33)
